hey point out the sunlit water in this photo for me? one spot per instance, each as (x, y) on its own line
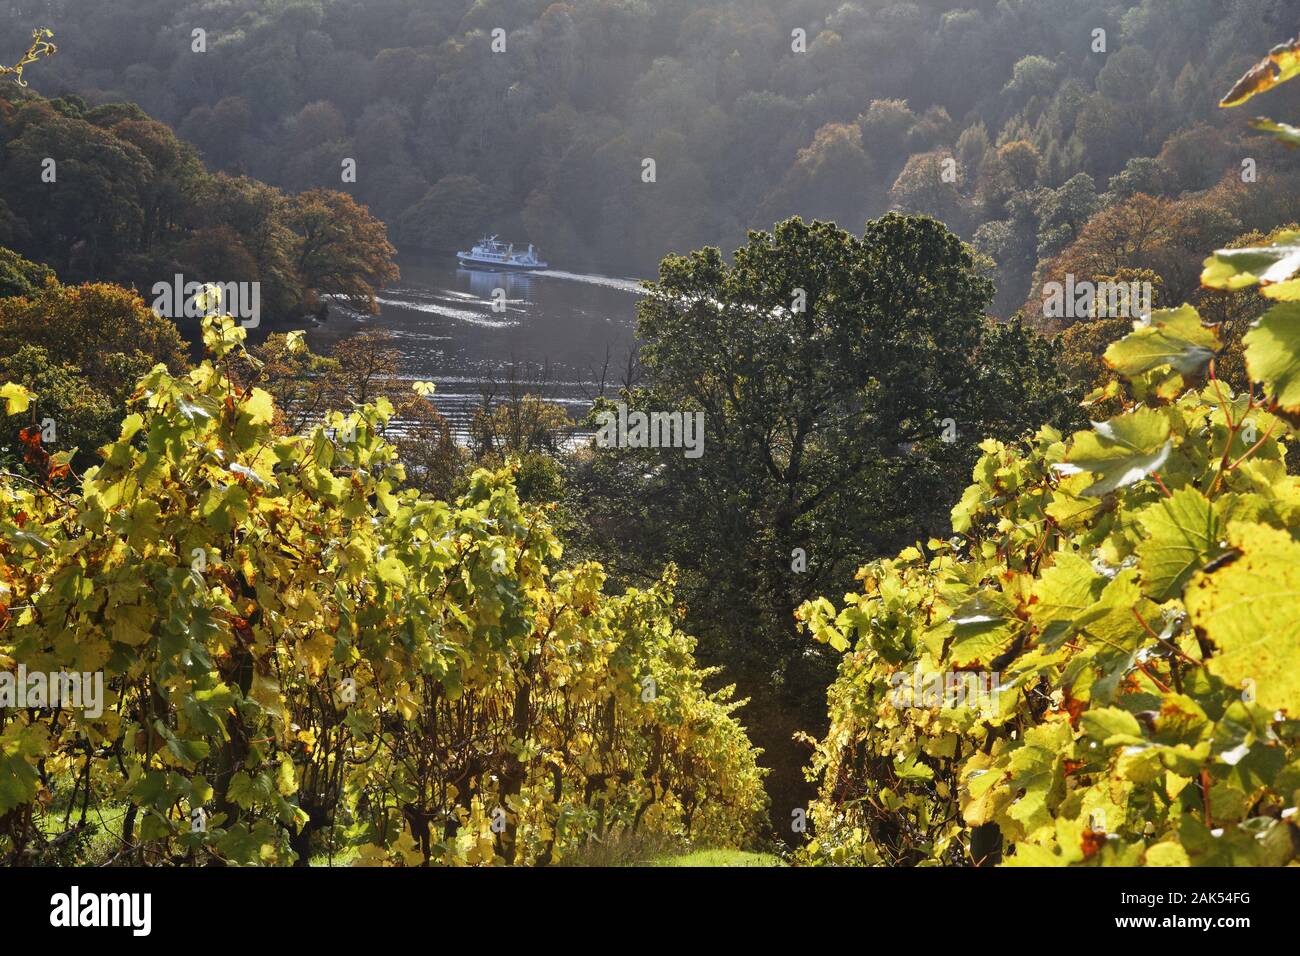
(556, 331)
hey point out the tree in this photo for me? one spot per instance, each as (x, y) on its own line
(1197, 158)
(90, 214)
(20, 277)
(1106, 129)
(1138, 234)
(258, 215)
(454, 211)
(342, 250)
(219, 130)
(924, 186)
(1160, 235)
(66, 413)
(828, 369)
(109, 193)
(833, 174)
(1142, 174)
(316, 124)
(884, 127)
(1032, 76)
(104, 331)
(1063, 212)
(1012, 168)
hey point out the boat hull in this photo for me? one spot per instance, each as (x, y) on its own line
(490, 264)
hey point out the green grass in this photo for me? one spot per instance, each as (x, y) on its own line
(648, 849)
(711, 858)
(699, 858)
(344, 857)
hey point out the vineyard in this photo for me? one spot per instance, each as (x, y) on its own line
(302, 657)
(244, 633)
(1130, 595)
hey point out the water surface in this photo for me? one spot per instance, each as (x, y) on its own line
(552, 337)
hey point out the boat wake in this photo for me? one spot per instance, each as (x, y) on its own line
(623, 285)
(460, 315)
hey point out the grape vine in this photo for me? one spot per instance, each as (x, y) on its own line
(1128, 598)
(302, 656)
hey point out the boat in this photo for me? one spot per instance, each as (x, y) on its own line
(491, 253)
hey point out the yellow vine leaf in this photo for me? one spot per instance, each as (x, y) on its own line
(1247, 609)
(1281, 64)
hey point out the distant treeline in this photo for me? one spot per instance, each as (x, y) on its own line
(546, 140)
(108, 193)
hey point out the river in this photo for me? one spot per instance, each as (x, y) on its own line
(553, 335)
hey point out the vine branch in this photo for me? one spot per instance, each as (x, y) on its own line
(41, 46)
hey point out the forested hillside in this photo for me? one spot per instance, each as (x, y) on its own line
(1049, 122)
(139, 207)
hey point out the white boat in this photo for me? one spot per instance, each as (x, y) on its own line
(490, 253)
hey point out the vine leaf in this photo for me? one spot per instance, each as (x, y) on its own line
(1273, 354)
(16, 398)
(1121, 451)
(41, 46)
(1283, 132)
(983, 628)
(1281, 64)
(1181, 534)
(1248, 610)
(1273, 268)
(1173, 337)
(1063, 591)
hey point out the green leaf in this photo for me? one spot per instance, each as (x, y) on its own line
(1036, 774)
(1120, 452)
(1273, 354)
(1110, 624)
(1248, 610)
(18, 782)
(1282, 132)
(266, 692)
(390, 571)
(286, 779)
(1166, 854)
(208, 298)
(20, 749)
(1273, 268)
(983, 628)
(1103, 723)
(1173, 337)
(187, 752)
(909, 768)
(1181, 534)
(1065, 589)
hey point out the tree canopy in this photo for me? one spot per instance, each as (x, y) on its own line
(832, 371)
